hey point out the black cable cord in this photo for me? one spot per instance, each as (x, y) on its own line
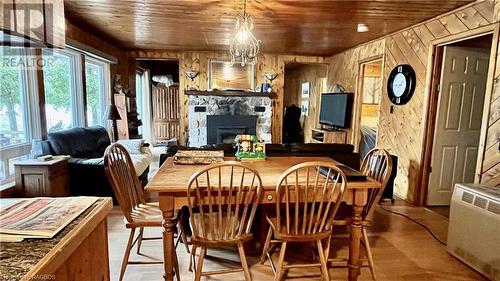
(417, 222)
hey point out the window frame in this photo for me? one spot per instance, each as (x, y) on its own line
(31, 116)
(76, 81)
(105, 87)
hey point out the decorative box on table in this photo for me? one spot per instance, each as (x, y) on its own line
(249, 148)
(198, 156)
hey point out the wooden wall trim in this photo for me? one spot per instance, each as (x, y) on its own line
(41, 96)
(431, 95)
(431, 101)
(487, 102)
(358, 98)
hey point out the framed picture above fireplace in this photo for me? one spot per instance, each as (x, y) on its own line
(224, 75)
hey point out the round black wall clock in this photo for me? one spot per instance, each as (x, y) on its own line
(401, 84)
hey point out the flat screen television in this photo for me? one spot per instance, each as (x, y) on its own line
(335, 110)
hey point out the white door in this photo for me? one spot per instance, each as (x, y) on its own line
(458, 121)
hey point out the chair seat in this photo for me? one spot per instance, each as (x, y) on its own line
(215, 233)
(273, 222)
(148, 214)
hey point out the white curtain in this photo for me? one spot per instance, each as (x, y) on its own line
(147, 111)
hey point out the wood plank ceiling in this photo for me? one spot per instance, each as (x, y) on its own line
(310, 27)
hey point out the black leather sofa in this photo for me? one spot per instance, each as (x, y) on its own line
(342, 153)
(86, 147)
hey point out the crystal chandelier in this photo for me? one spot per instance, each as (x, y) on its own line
(244, 47)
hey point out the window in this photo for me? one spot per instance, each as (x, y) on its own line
(139, 95)
(12, 104)
(63, 98)
(96, 83)
(19, 115)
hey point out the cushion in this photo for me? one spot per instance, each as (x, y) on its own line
(80, 142)
(132, 146)
(140, 162)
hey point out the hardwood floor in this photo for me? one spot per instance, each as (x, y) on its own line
(402, 250)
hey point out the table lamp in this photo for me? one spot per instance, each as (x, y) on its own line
(112, 114)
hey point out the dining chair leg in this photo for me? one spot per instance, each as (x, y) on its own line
(191, 259)
(182, 233)
(322, 261)
(176, 266)
(327, 248)
(244, 263)
(199, 268)
(368, 253)
(281, 259)
(126, 255)
(266, 245)
(139, 240)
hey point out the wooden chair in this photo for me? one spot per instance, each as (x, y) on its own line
(306, 206)
(377, 164)
(130, 195)
(227, 195)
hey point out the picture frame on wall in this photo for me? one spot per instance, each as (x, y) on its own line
(225, 75)
(305, 90)
(304, 107)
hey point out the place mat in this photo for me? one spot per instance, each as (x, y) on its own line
(17, 259)
(198, 157)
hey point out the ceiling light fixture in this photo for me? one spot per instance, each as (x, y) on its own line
(363, 27)
(244, 47)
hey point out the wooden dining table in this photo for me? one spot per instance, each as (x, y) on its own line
(171, 181)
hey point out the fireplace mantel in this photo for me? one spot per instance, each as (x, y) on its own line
(230, 93)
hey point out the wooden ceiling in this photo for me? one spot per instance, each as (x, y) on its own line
(309, 27)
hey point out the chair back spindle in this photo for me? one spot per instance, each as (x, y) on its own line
(310, 198)
(227, 195)
(377, 164)
(124, 182)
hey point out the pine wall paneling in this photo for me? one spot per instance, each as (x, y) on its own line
(104, 44)
(312, 73)
(199, 61)
(402, 132)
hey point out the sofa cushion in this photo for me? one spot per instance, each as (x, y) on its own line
(132, 146)
(87, 161)
(140, 162)
(80, 142)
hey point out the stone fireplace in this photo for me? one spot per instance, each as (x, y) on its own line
(218, 119)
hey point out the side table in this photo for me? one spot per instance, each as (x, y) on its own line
(41, 178)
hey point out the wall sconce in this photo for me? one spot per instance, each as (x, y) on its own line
(271, 76)
(192, 74)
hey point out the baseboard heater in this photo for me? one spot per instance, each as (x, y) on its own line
(474, 228)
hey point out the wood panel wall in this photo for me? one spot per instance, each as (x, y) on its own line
(199, 61)
(402, 132)
(104, 44)
(294, 78)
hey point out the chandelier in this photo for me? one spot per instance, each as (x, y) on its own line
(244, 47)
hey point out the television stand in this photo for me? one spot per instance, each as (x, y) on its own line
(328, 136)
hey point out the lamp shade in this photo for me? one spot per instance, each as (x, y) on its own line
(112, 113)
